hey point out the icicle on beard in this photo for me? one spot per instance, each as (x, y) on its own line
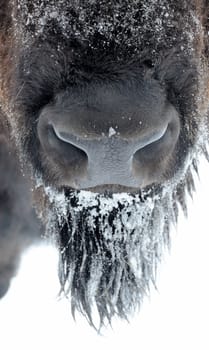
(109, 247)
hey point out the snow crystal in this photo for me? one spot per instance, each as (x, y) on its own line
(112, 132)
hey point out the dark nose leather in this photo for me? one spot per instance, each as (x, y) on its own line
(110, 156)
(108, 136)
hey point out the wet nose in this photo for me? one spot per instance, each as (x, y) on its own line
(108, 158)
(109, 140)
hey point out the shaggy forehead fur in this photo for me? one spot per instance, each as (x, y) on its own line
(128, 25)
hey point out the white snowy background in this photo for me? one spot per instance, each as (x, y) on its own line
(175, 317)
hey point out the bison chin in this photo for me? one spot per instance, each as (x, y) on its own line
(110, 245)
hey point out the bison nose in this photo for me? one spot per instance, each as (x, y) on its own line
(108, 158)
(103, 144)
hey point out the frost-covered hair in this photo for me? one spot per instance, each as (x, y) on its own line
(114, 23)
(111, 244)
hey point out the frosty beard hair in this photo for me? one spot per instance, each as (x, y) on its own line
(111, 245)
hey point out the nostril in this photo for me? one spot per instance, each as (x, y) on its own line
(68, 138)
(159, 145)
(152, 137)
(60, 150)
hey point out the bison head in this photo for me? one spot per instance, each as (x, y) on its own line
(107, 103)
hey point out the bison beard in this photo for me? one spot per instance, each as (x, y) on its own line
(110, 245)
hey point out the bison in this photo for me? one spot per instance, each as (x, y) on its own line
(104, 113)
